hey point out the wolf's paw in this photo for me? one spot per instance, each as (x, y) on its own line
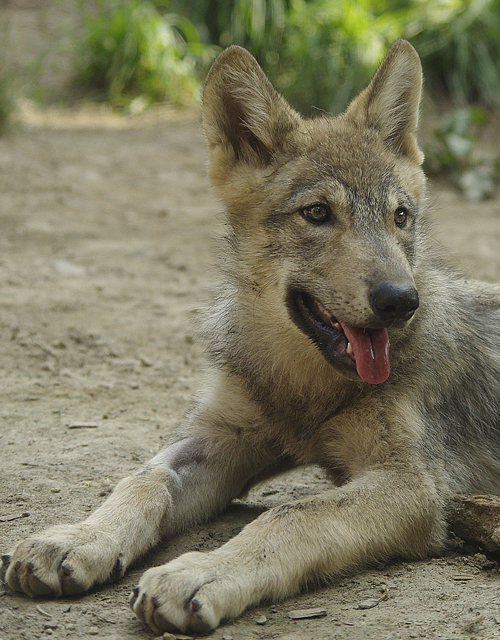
(193, 593)
(62, 561)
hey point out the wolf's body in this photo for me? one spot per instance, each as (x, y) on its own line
(327, 260)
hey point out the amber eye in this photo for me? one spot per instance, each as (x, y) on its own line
(401, 217)
(316, 213)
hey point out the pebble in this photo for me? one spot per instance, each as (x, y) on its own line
(303, 614)
(50, 625)
(368, 604)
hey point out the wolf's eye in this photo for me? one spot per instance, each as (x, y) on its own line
(316, 213)
(401, 217)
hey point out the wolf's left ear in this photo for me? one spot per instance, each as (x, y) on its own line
(244, 117)
(390, 103)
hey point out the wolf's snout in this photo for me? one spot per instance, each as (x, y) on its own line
(393, 301)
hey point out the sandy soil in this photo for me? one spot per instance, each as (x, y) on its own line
(107, 228)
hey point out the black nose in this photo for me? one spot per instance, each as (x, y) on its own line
(394, 301)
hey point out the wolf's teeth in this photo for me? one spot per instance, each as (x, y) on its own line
(336, 326)
(349, 349)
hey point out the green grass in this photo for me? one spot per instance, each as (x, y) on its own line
(8, 85)
(321, 52)
(128, 50)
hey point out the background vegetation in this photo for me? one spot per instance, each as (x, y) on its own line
(318, 53)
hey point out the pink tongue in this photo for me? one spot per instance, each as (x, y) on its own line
(371, 351)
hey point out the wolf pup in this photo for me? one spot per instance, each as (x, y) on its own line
(339, 339)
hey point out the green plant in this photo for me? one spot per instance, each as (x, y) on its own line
(454, 153)
(321, 52)
(7, 81)
(128, 50)
(329, 51)
(459, 42)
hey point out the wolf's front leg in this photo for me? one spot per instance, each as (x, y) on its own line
(188, 482)
(381, 515)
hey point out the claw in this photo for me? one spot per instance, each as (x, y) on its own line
(6, 559)
(133, 596)
(117, 571)
(139, 610)
(197, 621)
(69, 586)
(195, 605)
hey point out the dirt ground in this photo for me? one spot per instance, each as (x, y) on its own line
(107, 228)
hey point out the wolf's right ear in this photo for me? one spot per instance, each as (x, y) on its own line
(244, 117)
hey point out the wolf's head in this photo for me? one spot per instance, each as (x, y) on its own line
(325, 211)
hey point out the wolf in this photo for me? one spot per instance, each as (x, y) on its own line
(339, 337)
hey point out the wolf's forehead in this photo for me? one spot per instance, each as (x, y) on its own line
(340, 180)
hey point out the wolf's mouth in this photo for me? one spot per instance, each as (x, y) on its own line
(350, 349)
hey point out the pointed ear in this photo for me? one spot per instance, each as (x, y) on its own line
(390, 104)
(244, 117)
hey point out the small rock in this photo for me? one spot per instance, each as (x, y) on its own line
(303, 614)
(368, 604)
(261, 620)
(93, 631)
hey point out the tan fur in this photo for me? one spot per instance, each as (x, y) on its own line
(283, 390)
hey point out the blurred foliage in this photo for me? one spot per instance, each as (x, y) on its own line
(454, 152)
(131, 54)
(318, 53)
(321, 52)
(8, 85)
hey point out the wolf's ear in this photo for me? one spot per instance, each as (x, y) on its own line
(390, 103)
(244, 117)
